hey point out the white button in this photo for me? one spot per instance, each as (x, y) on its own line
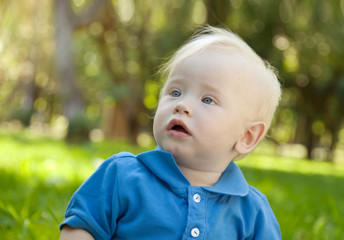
(195, 232)
(197, 198)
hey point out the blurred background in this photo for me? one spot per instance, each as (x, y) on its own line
(79, 69)
(76, 72)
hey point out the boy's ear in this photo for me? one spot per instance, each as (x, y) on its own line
(254, 133)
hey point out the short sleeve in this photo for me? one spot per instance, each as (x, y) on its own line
(266, 225)
(94, 207)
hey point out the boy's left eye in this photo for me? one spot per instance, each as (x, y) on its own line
(175, 93)
(207, 100)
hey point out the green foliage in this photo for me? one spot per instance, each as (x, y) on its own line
(39, 175)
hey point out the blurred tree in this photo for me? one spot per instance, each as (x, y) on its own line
(66, 23)
(107, 54)
(24, 51)
(311, 66)
(129, 74)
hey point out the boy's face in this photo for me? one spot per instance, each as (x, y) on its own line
(203, 109)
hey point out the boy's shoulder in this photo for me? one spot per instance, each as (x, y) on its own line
(122, 159)
(255, 193)
(125, 162)
(122, 155)
(257, 200)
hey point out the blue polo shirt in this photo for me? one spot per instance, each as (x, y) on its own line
(147, 197)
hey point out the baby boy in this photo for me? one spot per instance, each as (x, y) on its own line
(216, 106)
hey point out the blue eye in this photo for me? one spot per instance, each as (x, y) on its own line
(175, 94)
(207, 100)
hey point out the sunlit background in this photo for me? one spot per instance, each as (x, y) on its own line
(80, 70)
(79, 82)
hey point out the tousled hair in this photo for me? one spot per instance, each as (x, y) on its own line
(220, 38)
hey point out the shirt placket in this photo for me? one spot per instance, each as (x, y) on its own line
(196, 227)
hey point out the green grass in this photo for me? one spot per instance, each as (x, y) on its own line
(39, 175)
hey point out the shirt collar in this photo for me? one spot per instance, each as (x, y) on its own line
(232, 182)
(163, 165)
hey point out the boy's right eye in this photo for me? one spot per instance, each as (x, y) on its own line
(175, 93)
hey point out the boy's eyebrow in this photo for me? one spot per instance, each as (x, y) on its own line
(210, 87)
(207, 86)
(175, 80)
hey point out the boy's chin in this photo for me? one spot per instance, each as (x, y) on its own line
(177, 150)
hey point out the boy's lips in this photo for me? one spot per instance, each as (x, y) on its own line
(177, 128)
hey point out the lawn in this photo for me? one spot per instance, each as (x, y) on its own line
(39, 175)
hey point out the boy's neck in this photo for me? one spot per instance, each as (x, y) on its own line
(200, 178)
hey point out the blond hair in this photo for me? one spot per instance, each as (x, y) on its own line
(225, 39)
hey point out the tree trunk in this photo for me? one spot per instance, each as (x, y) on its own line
(121, 120)
(66, 22)
(72, 100)
(115, 123)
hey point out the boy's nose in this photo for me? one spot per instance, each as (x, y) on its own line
(182, 108)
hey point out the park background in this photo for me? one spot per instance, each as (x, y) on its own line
(79, 82)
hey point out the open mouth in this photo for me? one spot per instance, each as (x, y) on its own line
(177, 128)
